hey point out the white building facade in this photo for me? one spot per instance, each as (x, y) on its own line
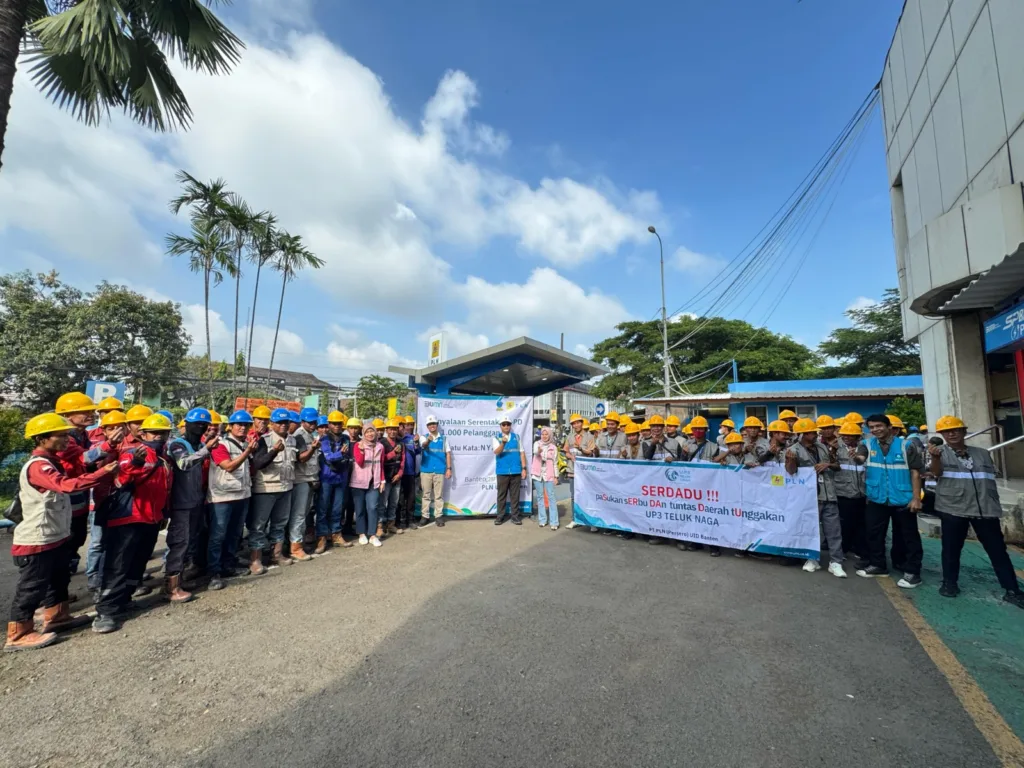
(953, 107)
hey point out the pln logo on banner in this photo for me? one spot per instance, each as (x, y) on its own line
(674, 475)
(504, 404)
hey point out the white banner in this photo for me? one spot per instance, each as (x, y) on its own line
(470, 423)
(761, 510)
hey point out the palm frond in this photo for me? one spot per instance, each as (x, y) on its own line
(192, 33)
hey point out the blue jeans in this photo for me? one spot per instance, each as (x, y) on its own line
(297, 516)
(365, 503)
(226, 520)
(387, 504)
(540, 487)
(94, 554)
(268, 517)
(330, 509)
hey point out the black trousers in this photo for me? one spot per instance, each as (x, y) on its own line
(407, 501)
(126, 550)
(907, 551)
(79, 533)
(181, 527)
(954, 533)
(198, 538)
(42, 581)
(851, 520)
(508, 491)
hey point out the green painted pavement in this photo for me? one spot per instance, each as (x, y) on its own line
(983, 632)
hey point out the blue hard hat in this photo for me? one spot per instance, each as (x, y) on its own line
(280, 414)
(240, 417)
(309, 414)
(321, 421)
(913, 430)
(167, 415)
(200, 415)
(294, 416)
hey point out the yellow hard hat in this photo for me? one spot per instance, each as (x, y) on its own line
(733, 437)
(261, 412)
(855, 417)
(595, 426)
(74, 402)
(948, 422)
(586, 423)
(109, 404)
(575, 417)
(895, 421)
(672, 421)
(156, 422)
(923, 428)
(353, 422)
(840, 421)
(181, 424)
(112, 418)
(625, 420)
(409, 420)
(631, 429)
(729, 423)
(687, 430)
(214, 416)
(645, 426)
(779, 426)
(392, 422)
(849, 428)
(803, 426)
(604, 423)
(613, 416)
(825, 421)
(378, 423)
(656, 419)
(138, 413)
(698, 422)
(753, 421)
(786, 414)
(45, 423)
(336, 417)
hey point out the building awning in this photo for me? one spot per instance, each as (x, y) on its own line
(991, 288)
(520, 367)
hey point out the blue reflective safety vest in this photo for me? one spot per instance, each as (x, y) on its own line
(887, 478)
(434, 461)
(509, 462)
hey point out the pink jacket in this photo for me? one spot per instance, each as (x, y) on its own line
(367, 466)
(545, 461)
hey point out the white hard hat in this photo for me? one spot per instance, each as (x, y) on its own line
(431, 419)
(504, 420)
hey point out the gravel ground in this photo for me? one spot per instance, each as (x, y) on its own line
(474, 645)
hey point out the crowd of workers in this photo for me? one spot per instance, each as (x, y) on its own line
(285, 483)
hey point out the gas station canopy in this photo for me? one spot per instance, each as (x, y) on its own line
(520, 367)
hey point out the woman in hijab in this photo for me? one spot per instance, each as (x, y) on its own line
(545, 478)
(366, 483)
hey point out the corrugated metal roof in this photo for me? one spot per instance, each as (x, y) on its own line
(990, 288)
(860, 385)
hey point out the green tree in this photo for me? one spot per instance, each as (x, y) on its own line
(292, 258)
(635, 356)
(12, 432)
(373, 393)
(264, 248)
(91, 56)
(53, 338)
(239, 366)
(208, 252)
(874, 346)
(240, 223)
(909, 409)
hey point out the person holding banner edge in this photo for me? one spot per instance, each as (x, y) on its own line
(510, 469)
(578, 442)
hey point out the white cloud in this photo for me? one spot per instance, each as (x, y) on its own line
(861, 302)
(686, 260)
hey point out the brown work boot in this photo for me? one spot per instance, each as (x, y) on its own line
(392, 528)
(58, 618)
(172, 586)
(309, 536)
(256, 562)
(298, 553)
(321, 546)
(380, 531)
(21, 636)
(277, 557)
(337, 540)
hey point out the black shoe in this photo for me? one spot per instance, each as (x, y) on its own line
(142, 590)
(715, 551)
(691, 547)
(517, 521)
(1014, 598)
(103, 625)
(216, 583)
(872, 572)
(949, 590)
(428, 523)
(624, 535)
(440, 523)
(909, 581)
(500, 519)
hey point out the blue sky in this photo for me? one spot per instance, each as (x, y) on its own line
(488, 168)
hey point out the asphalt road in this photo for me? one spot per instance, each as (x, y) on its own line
(478, 646)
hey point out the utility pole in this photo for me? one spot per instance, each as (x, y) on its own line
(664, 314)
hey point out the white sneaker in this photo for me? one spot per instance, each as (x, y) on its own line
(836, 569)
(542, 525)
(593, 529)
(554, 527)
(811, 566)
(375, 541)
(571, 525)
(363, 539)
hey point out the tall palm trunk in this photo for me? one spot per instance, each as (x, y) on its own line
(238, 286)
(252, 322)
(280, 306)
(209, 347)
(13, 15)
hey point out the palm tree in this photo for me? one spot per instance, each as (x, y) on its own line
(292, 257)
(263, 249)
(90, 57)
(209, 252)
(240, 222)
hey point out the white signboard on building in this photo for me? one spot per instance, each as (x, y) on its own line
(437, 348)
